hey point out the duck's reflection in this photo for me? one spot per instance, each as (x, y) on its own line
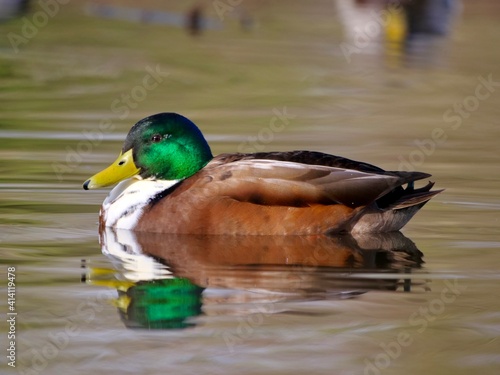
(161, 278)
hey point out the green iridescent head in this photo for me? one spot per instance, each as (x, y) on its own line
(164, 146)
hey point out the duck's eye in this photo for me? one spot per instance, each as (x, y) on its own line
(156, 138)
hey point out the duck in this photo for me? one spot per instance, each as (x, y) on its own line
(168, 181)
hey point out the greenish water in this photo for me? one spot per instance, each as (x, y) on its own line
(423, 303)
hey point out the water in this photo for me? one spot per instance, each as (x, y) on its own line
(425, 301)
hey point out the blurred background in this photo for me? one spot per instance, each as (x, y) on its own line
(405, 85)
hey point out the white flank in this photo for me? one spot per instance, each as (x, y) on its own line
(125, 203)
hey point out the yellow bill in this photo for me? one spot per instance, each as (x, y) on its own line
(121, 169)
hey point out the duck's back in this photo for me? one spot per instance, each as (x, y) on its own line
(283, 193)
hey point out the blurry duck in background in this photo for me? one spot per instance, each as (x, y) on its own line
(171, 183)
(403, 30)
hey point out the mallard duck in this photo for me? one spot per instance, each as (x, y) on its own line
(169, 182)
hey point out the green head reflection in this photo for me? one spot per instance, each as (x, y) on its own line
(160, 304)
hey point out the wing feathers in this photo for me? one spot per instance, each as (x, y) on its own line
(274, 182)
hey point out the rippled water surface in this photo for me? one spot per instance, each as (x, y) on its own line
(424, 301)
